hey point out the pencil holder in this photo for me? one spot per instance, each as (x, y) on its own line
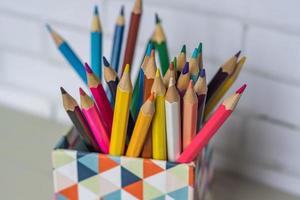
(82, 175)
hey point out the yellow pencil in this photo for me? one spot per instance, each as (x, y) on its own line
(141, 128)
(159, 148)
(224, 88)
(121, 113)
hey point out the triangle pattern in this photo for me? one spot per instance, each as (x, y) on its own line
(160, 163)
(116, 159)
(128, 177)
(126, 195)
(69, 171)
(160, 198)
(113, 195)
(150, 192)
(90, 161)
(151, 168)
(180, 171)
(92, 184)
(134, 165)
(70, 193)
(61, 182)
(59, 159)
(136, 189)
(113, 175)
(180, 193)
(71, 153)
(173, 182)
(60, 197)
(191, 176)
(167, 197)
(170, 165)
(106, 187)
(105, 163)
(158, 181)
(84, 172)
(85, 193)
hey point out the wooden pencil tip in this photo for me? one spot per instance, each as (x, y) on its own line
(81, 92)
(241, 89)
(202, 73)
(157, 20)
(195, 53)
(49, 28)
(157, 74)
(171, 82)
(152, 53)
(127, 68)
(63, 91)
(238, 53)
(88, 68)
(105, 62)
(200, 47)
(190, 84)
(96, 12)
(185, 68)
(183, 49)
(171, 66)
(122, 10)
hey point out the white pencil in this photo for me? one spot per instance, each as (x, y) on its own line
(172, 105)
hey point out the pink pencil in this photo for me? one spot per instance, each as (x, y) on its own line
(94, 119)
(100, 97)
(211, 127)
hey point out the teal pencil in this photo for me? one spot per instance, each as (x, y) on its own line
(68, 53)
(96, 44)
(194, 67)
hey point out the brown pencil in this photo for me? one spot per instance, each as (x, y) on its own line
(132, 33)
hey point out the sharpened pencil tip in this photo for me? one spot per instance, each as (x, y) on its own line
(122, 10)
(62, 90)
(241, 89)
(157, 20)
(96, 12)
(200, 47)
(171, 82)
(183, 49)
(127, 68)
(105, 62)
(195, 53)
(81, 92)
(157, 74)
(151, 97)
(202, 72)
(88, 68)
(49, 28)
(238, 53)
(152, 53)
(171, 66)
(185, 68)
(190, 84)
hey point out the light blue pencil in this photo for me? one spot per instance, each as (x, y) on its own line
(96, 44)
(194, 67)
(68, 53)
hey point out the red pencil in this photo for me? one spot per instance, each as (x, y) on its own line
(100, 97)
(92, 116)
(211, 127)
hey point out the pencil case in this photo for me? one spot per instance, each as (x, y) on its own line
(82, 175)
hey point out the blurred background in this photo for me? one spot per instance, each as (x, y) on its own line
(257, 150)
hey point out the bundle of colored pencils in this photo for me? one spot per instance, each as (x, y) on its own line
(170, 113)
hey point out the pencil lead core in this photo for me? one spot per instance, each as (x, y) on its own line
(157, 74)
(62, 90)
(151, 97)
(190, 84)
(171, 66)
(122, 10)
(202, 72)
(96, 10)
(183, 49)
(241, 89)
(200, 47)
(238, 53)
(195, 53)
(127, 68)
(185, 68)
(88, 68)
(157, 20)
(82, 92)
(49, 28)
(105, 62)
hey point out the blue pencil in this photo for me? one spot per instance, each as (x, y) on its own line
(96, 44)
(194, 67)
(68, 53)
(117, 41)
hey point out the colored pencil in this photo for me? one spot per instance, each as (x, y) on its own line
(111, 79)
(68, 53)
(200, 88)
(149, 75)
(159, 137)
(95, 121)
(96, 44)
(194, 66)
(160, 43)
(141, 128)
(184, 79)
(79, 121)
(181, 60)
(170, 73)
(200, 56)
(224, 87)
(173, 121)
(137, 96)
(132, 33)
(100, 97)
(121, 114)
(211, 127)
(190, 109)
(225, 70)
(118, 40)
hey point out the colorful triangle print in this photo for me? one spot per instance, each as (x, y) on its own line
(151, 168)
(136, 189)
(150, 192)
(90, 161)
(92, 184)
(84, 172)
(180, 193)
(134, 165)
(61, 182)
(60, 159)
(71, 193)
(128, 177)
(112, 196)
(105, 163)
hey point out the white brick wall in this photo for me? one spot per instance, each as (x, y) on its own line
(260, 140)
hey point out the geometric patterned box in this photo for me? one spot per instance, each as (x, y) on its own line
(81, 175)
